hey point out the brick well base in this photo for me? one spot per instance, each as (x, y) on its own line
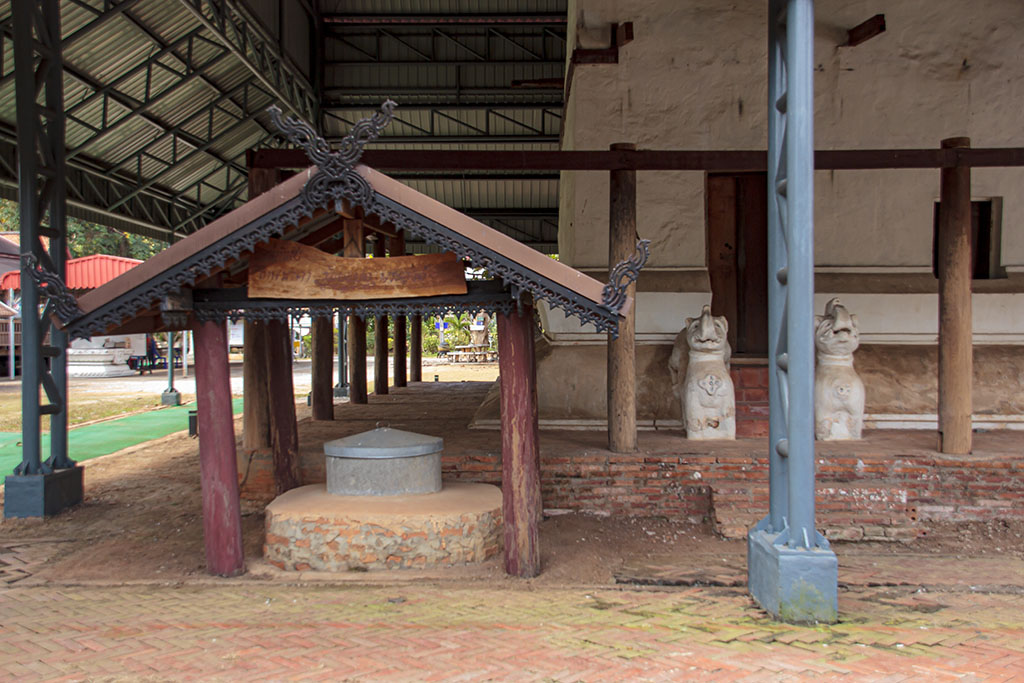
(310, 529)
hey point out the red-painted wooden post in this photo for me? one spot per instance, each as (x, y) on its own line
(415, 348)
(222, 515)
(520, 446)
(284, 430)
(396, 247)
(322, 393)
(380, 336)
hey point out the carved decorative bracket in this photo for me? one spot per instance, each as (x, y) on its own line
(65, 305)
(623, 275)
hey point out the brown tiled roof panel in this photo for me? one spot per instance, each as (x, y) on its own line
(210, 234)
(440, 213)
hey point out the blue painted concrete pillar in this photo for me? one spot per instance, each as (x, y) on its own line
(792, 572)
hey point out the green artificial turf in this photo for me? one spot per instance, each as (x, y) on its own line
(109, 436)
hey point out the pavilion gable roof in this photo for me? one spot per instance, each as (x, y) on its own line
(337, 185)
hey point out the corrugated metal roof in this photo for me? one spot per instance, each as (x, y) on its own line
(88, 272)
(476, 88)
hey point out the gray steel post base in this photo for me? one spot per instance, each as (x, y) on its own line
(170, 398)
(42, 495)
(794, 585)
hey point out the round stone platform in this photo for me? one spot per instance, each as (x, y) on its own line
(311, 529)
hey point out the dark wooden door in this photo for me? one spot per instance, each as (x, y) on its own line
(738, 258)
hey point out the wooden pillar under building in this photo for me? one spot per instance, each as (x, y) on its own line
(955, 269)
(397, 248)
(416, 348)
(622, 240)
(284, 431)
(255, 458)
(322, 394)
(520, 445)
(222, 514)
(380, 345)
(355, 239)
(255, 394)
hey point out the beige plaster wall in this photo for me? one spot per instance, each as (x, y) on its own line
(899, 380)
(694, 78)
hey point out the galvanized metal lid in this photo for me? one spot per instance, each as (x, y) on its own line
(384, 442)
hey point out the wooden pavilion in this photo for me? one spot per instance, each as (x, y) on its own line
(273, 258)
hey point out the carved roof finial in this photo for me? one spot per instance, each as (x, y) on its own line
(333, 163)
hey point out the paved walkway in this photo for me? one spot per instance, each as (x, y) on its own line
(233, 630)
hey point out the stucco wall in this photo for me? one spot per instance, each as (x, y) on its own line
(694, 78)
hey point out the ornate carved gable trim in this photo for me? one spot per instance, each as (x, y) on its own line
(336, 180)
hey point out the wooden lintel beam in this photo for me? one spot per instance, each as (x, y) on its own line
(865, 30)
(658, 160)
(323, 234)
(332, 246)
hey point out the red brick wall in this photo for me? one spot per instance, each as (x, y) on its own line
(751, 385)
(871, 495)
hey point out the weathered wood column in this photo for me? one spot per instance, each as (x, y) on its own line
(416, 348)
(222, 514)
(520, 446)
(255, 394)
(955, 330)
(322, 398)
(398, 249)
(355, 237)
(255, 460)
(380, 346)
(284, 431)
(622, 239)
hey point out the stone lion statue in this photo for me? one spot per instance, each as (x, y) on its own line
(705, 391)
(838, 390)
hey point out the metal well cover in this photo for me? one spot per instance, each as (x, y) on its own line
(384, 442)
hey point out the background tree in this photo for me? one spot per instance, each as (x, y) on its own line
(86, 239)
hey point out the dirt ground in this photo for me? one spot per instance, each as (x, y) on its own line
(141, 520)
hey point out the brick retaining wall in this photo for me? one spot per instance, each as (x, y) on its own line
(874, 494)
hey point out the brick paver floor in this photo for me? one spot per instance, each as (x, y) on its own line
(245, 630)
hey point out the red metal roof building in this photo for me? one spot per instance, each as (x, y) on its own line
(88, 272)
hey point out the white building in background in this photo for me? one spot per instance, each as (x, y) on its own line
(694, 78)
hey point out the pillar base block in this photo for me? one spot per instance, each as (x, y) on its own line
(170, 398)
(794, 585)
(42, 495)
(340, 391)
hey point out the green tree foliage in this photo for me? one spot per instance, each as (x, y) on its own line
(86, 239)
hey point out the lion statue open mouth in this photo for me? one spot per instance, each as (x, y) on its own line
(706, 391)
(838, 389)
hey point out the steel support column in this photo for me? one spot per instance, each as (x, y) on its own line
(40, 488)
(792, 570)
(171, 396)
